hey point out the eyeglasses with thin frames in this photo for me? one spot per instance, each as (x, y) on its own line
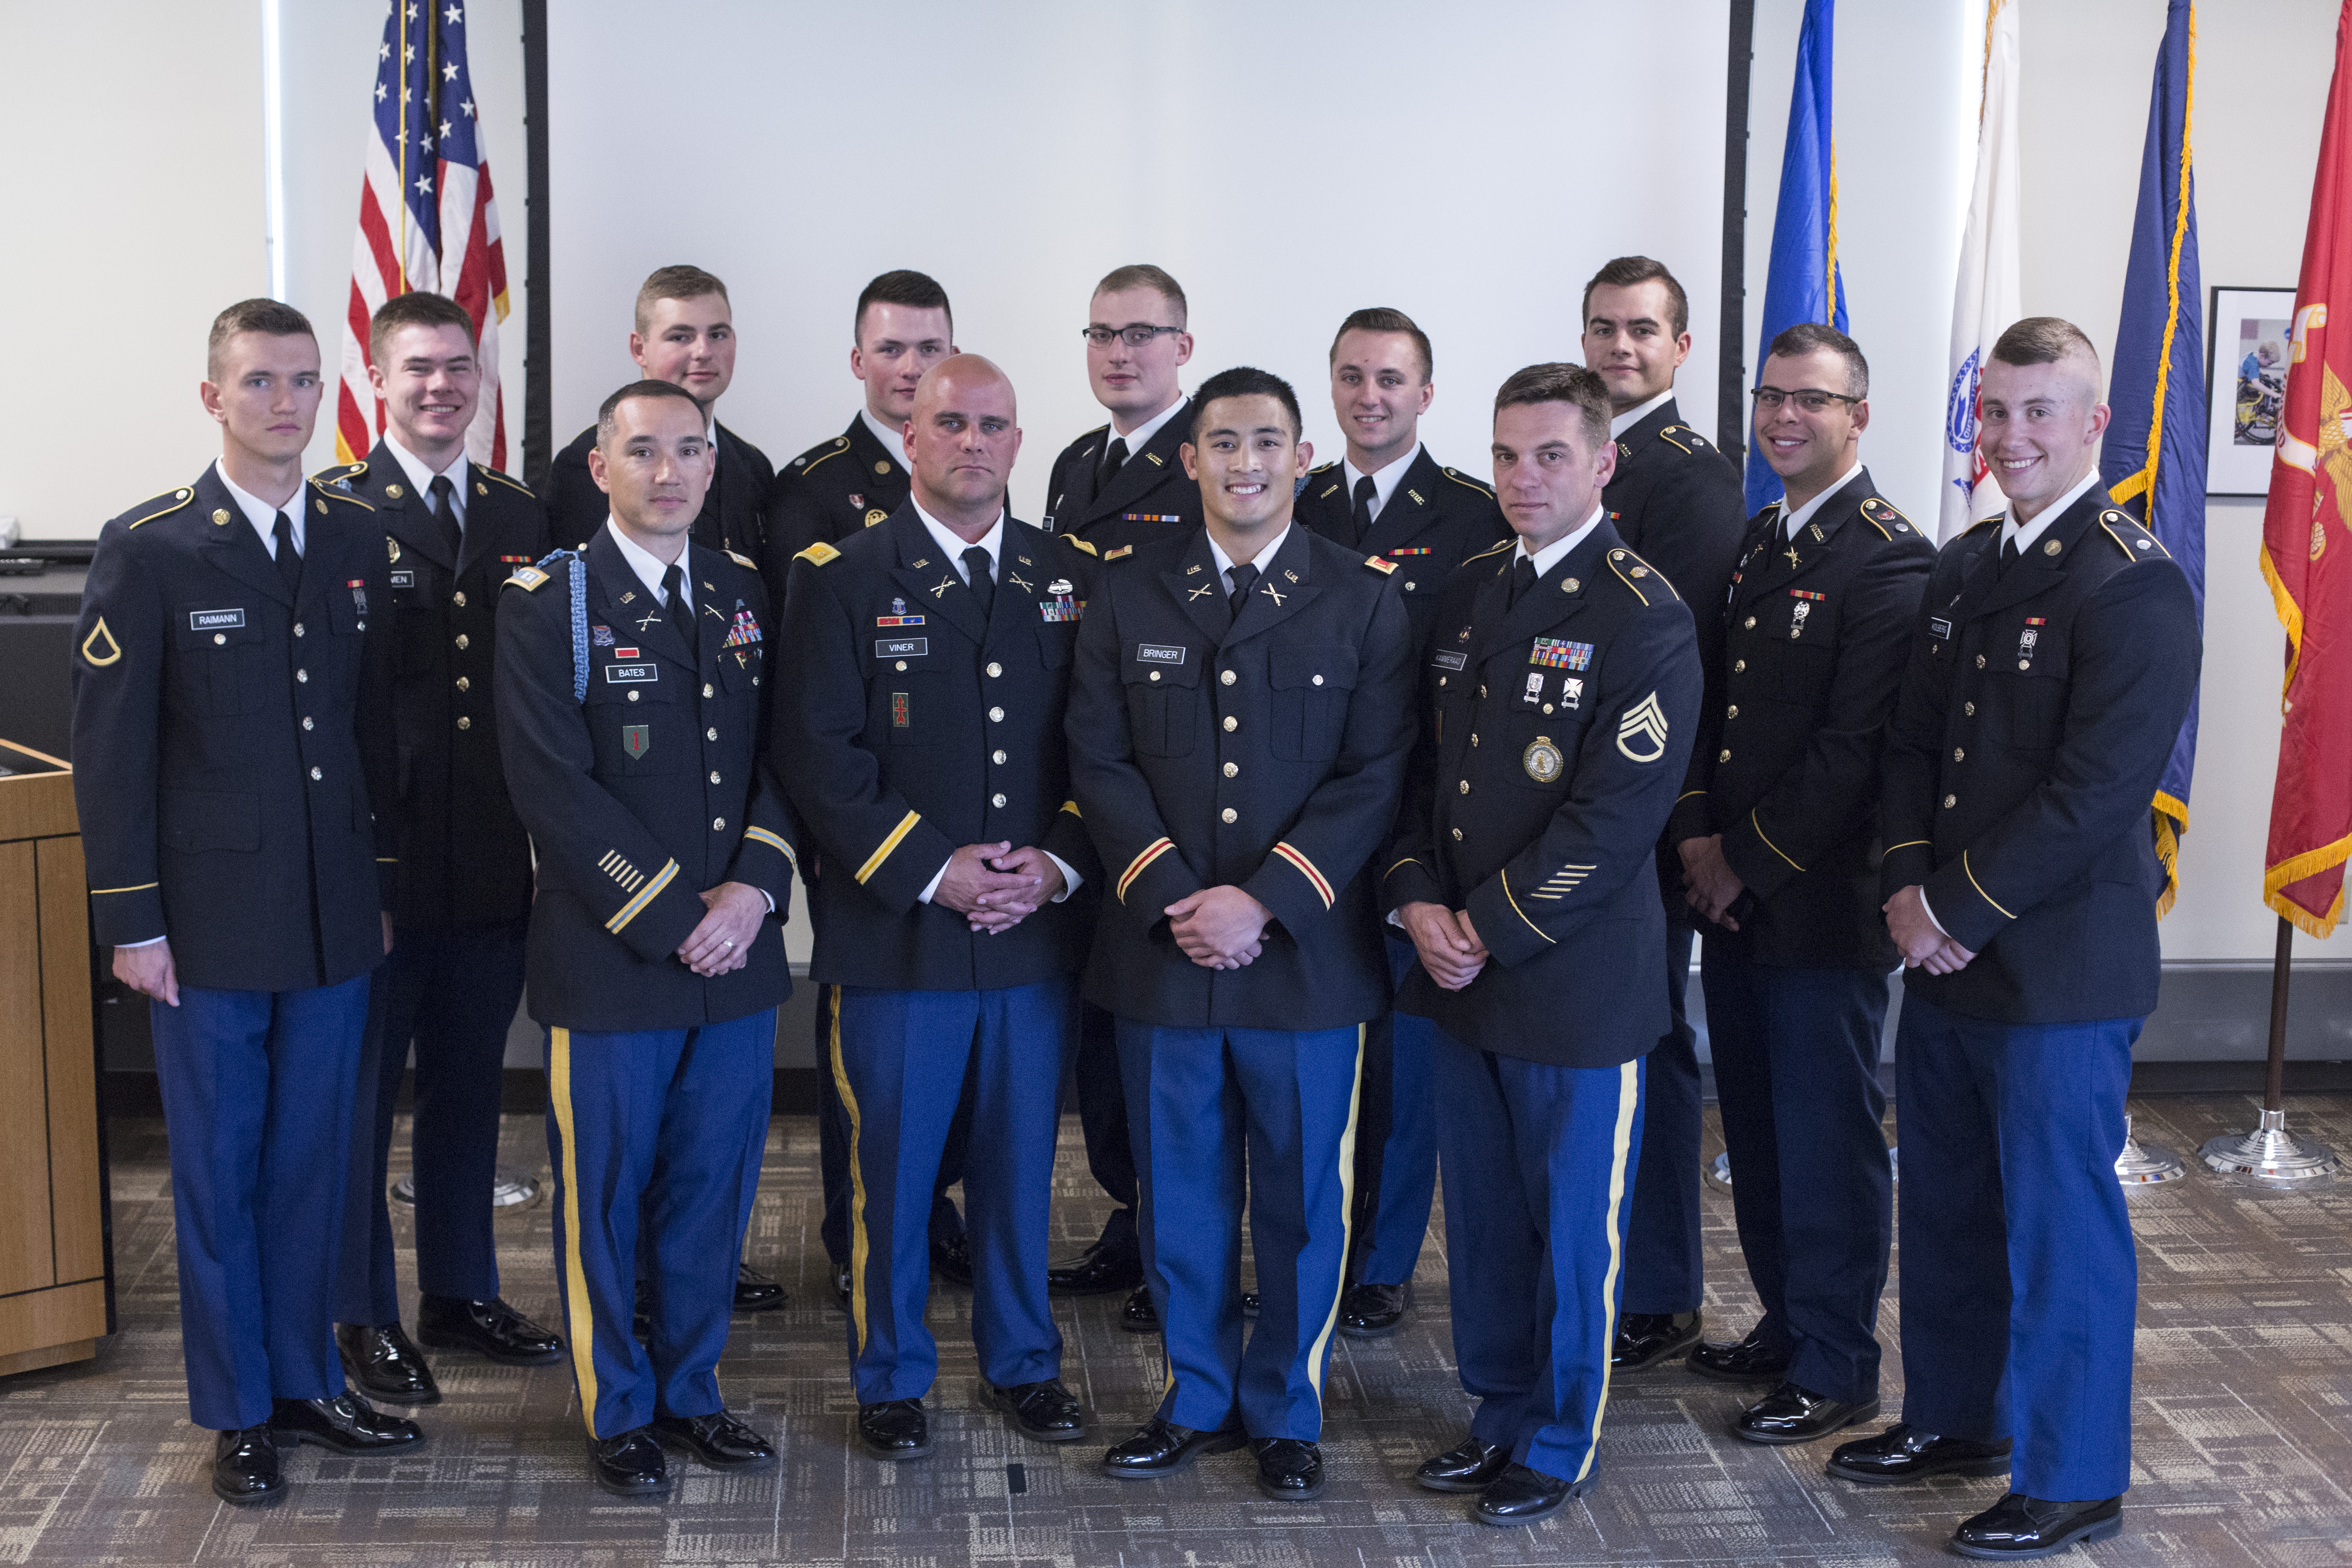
(1135, 334)
(1812, 400)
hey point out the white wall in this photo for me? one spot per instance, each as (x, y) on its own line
(1286, 163)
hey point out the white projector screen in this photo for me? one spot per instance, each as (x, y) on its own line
(1286, 163)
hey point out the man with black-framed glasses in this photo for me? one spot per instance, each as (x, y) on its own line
(1120, 486)
(1777, 832)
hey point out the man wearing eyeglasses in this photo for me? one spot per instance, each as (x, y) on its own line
(1676, 503)
(1777, 832)
(1120, 486)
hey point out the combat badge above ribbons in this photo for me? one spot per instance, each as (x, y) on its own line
(1542, 759)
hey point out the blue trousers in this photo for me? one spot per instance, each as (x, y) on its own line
(833, 1150)
(894, 1055)
(1796, 1077)
(1216, 1114)
(1538, 1164)
(2019, 1285)
(452, 990)
(1396, 1140)
(1664, 1272)
(257, 1089)
(662, 1127)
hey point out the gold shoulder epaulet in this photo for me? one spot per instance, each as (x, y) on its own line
(1681, 438)
(1638, 574)
(2135, 541)
(1464, 479)
(529, 578)
(818, 554)
(1993, 522)
(168, 505)
(742, 561)
(339, 471)
(1121, 550)
(1086, 545)
(1377, 564)
(1879, 514)
(339, 491)
(807, 461)
(1490, 549)
(1325, 467)
(508, 480)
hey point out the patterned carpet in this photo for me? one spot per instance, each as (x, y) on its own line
(2242, 1440)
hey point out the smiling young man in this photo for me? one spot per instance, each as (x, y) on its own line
(921, 739)
(235, 771)
(1777, 829)
(1117, 487)
(1389, 496)
(633, 723)
(684, 333)
(1559, 698)
(2050, 667)
(452, 532)
(1675, 501)
(1238, 725)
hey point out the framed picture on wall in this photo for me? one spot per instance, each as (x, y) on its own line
(2246, 337)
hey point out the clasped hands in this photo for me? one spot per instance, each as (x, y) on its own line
(1448, 942)
(723, 942)
(1923, 941)
(1219, 928)
(995, 888)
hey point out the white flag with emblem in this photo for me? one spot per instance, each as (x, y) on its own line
(1644, 721)
(1987, 300)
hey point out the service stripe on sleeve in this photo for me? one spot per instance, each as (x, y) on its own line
(1135, 868)
(773, 843)
(1305, 868)
(874, 861)
(645, 896)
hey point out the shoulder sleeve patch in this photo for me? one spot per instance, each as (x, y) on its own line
(529, 578)
(1885, 518)
(1639, 575)
(509, 481)
(161, 507)
(1086, 545)
(1377, 564)
(743, 561)
(818, 554)
(1121, 550)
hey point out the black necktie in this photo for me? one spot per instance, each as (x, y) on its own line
(289, 560)
(445, 518)
(681, 609)
(1244, 576)
(2008, 552)
(983, 575)
(1363, 508)
(1523, 579)
(1113, 461)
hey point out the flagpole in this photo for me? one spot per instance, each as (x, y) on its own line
(2270, 1152)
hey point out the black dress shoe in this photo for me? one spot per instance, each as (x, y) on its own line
(1374, 1312)
(1162, 1448)
(1099, 1271)
(1471, 1465)
(1136, 1314)
(383, 1360)
(952, 1259)
(244, 1468)
(1646, 1339)
(629, 1465)
(346, 1424)
(718, 1440)
(2021, 1526)
(754, 1292)
(841, 1283)
(1905, 1453)
(895, 1429)
(490, 1328)
(1746, 1362)
(1250, 1304)
(1794, 1415)
(1045, 1411)
(1289, 1469)
(1522, 1496)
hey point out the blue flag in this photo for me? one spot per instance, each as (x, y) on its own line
(1802, 282)
(2154, 460)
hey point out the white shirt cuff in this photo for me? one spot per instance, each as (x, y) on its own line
(1928, 909)
(1070, 878)
(771, 898)
(932, 886)
(148, 943)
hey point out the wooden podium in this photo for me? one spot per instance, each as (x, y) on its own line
(55, 1260)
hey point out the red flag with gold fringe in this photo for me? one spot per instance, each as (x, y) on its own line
(2307, 547)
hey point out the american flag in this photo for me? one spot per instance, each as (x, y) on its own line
(427, 219)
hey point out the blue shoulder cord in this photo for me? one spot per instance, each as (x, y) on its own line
(578, 573)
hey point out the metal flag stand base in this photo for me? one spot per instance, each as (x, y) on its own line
(2144, 1165)
(2270, 1152)
(508, 1188)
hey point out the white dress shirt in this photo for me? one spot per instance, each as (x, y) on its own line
(1621, 423)
(651, 569)
(421, 477)
(1225, 562)
(263, 515)
(1143, 433)
(1791, 521)
(1384, 481)
(1549, 556)
(893, 442)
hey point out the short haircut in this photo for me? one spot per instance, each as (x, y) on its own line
(417, 307)
(917, 290)
(1245, 380)
(2043, 340)
(1628, 271)
(608, 413)
(272, 317)
(1814, 337)
(680, 282)
(1382, 319)
(1143, 275)
(1561, 383)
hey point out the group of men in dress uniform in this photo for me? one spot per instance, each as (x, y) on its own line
(1326, 824)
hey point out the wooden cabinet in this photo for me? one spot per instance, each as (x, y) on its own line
(54, 1263)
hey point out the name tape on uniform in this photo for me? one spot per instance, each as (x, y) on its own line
(215, 620)
(902, 647)
(1159, 653)
(620, 672)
